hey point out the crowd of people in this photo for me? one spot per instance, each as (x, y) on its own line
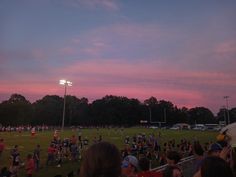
(150, 147)
(23, 128)
(58, 151)
(103, 159)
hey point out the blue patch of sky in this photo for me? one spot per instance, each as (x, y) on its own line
(36, 23)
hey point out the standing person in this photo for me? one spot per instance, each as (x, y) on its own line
(33, 132)
(56, 134)
(15, 165)
(36, 157)
(74, 152)
(2, 146)
(59, 154)
(199, 156)
(51, 153)
(101, 160)
(29, 166)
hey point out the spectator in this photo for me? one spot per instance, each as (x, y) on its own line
(2, 146)
(199, 156)
(74, 152)
(214, 166)
(15, 155)
(29, 167)
(173, 157)
(172, 171)
(101, 159)
(215, 149)
(130, 166)
(51, 153)
(37, 157)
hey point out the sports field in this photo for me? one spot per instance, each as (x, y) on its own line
(27, 144)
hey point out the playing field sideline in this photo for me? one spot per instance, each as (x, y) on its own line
(27, 143)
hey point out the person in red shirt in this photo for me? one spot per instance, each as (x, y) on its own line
(144, 166)
(51, 152)
(29, 167)
(2, 146)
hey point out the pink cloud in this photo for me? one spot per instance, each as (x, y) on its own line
(148, 71)
(96, 78)
(226, 48)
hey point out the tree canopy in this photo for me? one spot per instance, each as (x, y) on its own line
(109, 110)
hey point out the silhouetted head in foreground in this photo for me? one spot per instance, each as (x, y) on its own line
(101, 160)
(214, 166)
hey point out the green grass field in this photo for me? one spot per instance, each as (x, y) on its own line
(27, 144)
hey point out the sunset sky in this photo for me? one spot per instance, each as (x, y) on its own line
(182, 51)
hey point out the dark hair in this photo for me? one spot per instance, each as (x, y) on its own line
(174, 155)
(168, 172)
(197, 148)
(102, 159)
(213, 166)
(144, 164)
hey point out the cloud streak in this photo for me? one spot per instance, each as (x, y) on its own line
(110, 5)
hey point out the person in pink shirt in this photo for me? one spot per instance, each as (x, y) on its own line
(29, 166)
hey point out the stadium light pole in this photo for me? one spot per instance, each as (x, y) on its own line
(150, 113)
(65, 83)
(227, 107)
(224, 109)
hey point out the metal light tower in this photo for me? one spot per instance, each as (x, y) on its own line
(150, 113)
(65, 83)
(227, 107)
(224, 109)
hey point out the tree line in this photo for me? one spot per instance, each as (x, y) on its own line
(109, 110)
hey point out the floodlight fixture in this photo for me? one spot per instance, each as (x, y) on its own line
(65, 83)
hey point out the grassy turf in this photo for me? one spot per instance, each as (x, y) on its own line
(27, 144)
